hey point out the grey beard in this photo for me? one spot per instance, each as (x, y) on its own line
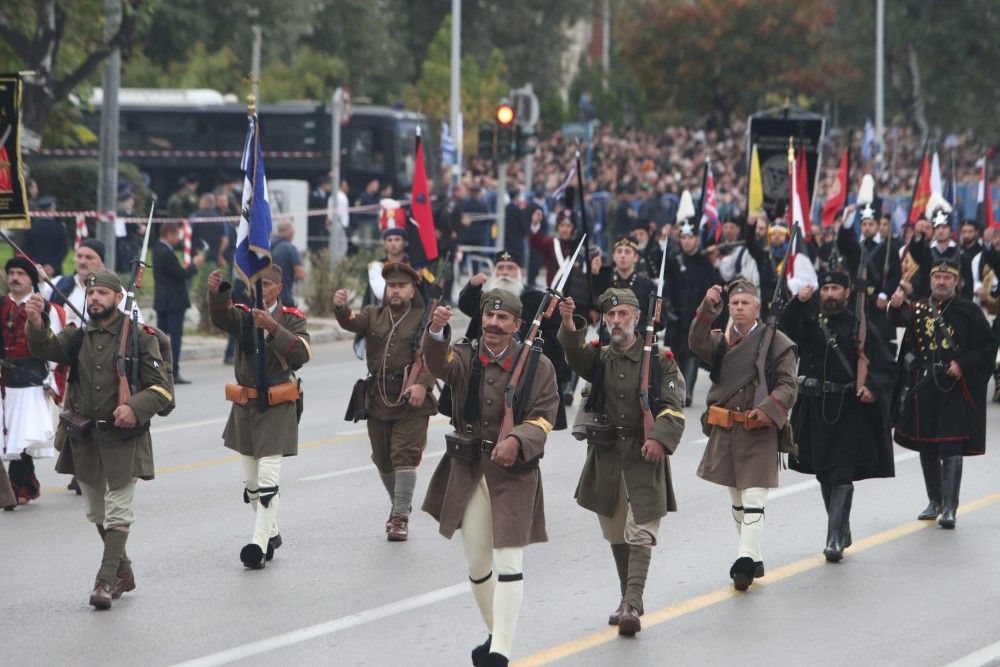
(515, 287)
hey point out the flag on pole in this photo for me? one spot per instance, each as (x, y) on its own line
(936, 185)
(709, 207)
(570, 177)
(985, 195)
(798, 201)
(921, 190)
(423, 248)
(755, 196)
(253, 236)
(836, 198)
(447, 146)
(81, 230)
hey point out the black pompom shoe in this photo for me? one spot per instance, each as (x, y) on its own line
(252, 557)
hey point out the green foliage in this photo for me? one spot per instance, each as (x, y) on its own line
(350, 273)
(74, 183)
(617, 103)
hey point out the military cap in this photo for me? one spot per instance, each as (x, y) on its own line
(626, 242)
(19, 261)
(272, 273)
(508, 256)
(104, 278)
(835, 278)
(743, 287)
(399, 271)
(946, 265)
(393, 231)
(616, 297)
(500, 299)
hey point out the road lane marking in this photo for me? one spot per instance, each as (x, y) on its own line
(783, 491)
(700, 602)
(326, 628)
(185, 425)
(983, 656)
(351, 471)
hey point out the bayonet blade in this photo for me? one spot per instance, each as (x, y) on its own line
(567, 268)
(149, 228)
(663, 275)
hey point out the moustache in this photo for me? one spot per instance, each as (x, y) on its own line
(492, 330)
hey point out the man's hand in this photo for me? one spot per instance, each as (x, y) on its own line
(340, 298)
(806, 293)
(866, 396)
(439, 318)
(595, 265)
(124, 416)
(416, 394)
(897, 299)
(478, 280)
(954, 370)
(33, 308)
(49, 271)
(263, 320)
(566, 309)
(214, 281)
(505, 452)
(759, 416)
(714, 295)
(653, 451)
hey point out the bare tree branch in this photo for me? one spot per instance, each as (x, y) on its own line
(122, 38)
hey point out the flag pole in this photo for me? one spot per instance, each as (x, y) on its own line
(262, 387)
(916, 183)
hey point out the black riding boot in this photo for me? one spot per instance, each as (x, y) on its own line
(847, 515)
(932, 480)
(824, 488)
(836, 520)
(951, 480)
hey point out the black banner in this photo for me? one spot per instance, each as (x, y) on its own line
(770, 131)
(13, 195)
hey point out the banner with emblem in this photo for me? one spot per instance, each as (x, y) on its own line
(769, 131)
(13, 194)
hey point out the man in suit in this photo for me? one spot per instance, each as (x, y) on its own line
(171, 299)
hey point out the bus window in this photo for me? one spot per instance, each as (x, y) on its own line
(365, 151)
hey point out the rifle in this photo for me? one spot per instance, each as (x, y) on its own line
(41, 274)
(418, 366)
(546, 307)
(860, 297)
(128, 341)
(655, 309)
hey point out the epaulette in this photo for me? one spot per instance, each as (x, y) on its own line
(668, 353)
(292, 310)
(148, 329)
(596, 342)
(243, 307)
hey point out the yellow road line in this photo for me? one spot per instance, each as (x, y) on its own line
(208, 463)
(700, 602)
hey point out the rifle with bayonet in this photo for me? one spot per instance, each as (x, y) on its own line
(861, 295)
(652, 319)
(418, 366)
(128, 339)
(546, 307)
(41, 274)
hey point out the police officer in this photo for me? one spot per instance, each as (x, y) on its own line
(106, 444)
(948, 353)
(742, 451)
(262, 436)
(626, 478)
(842, 433)
(489, 487)
(397, 414)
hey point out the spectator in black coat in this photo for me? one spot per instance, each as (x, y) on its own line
(171, 299)
(46, 242)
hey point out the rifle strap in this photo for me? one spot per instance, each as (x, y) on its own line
(471, 409)
(523, 399)
(595, 402)
(831, 341)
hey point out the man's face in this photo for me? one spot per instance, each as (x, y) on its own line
(884, 227)
(942, 233)
(498, 326)
(393, 245)
(777, 238)
(272, 290)
(743, 309)
(565, 230)
(969, 235)
(87, 261)
(944, 285)
(621, 322)
(102, 302)
(221, 202)
(509, 270)
(730, 231)
(868, 228)
(689, 244)
(641, 237)
(833, 299)
(922, 227)
(18, 282)
(536, 216)
(399, 294)
(625, 258)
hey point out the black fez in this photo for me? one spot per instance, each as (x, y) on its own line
(946, 265)
(21, 262)
(835, 278)
(508, 256)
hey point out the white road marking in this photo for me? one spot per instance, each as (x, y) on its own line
(351, 471)
(326, 628)
(984, 656)
(812, 483)
(184, 425)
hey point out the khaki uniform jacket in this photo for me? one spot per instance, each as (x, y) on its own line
(516, 497)
(389, 353)
(118, 456)
(276, 430)
(737, 457)
(650, 490)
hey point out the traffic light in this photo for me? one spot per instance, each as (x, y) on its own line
(486, 141)
(524, 142)
(505, 131)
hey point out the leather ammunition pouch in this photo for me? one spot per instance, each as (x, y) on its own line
(600, 433)
(75, 424)
(286, 392)
(463, 447)
(356, 406)
(727, 419)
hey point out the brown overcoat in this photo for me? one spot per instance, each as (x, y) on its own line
(274, 431)
(737, 457)
(516, 497)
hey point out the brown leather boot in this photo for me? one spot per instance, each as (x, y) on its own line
(616, 615)
(629, 623)
(100, 597)
(124, 581)
(399, 529)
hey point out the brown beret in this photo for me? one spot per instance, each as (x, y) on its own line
(104, 278)
(617, 297)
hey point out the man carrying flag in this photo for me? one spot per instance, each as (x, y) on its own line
(271, 345)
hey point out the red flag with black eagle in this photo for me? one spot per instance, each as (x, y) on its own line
(921, 191)
(423, 244)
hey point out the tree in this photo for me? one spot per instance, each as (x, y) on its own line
(36, 37)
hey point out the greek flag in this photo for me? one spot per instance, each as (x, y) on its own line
(447, 146)
(253, 237)
(868, 141)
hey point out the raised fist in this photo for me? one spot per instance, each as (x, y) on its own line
(714, 295)
(439, 318)
(214, 281)
(340, 298)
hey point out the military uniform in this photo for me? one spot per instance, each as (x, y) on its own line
(105, 459)
(499, 510)
(743, 459)
(628, 493)
(397, 430)
(262, 437)
(943, 418)
(841, 440)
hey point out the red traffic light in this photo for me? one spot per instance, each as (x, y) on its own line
(505, 114)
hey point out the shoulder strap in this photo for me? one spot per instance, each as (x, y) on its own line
(831, 341)
(524, 396)
(471, 408)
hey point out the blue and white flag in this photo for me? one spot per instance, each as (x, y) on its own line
(447, 146)
(253, 238)
(867, 141)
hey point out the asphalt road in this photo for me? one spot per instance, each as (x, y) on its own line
(907, 593)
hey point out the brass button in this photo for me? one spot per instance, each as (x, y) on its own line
(100, 347)
(97, 387)
(621, 416)
(489, 401)
(621, 376)
(486, 423)
(490, 381)
(621, 395)
(98, 367)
